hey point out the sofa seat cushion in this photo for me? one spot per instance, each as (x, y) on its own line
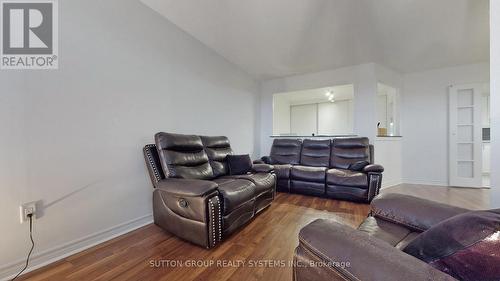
(310, 174)
(223, 180)
(346, 178)
(394, 234)
(307, 187)
(348, 193)
(236, 193)
(263, 181)
(282, 171)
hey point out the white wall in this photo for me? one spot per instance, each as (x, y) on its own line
(79, 130)
(363, 77)
(281, 115)
(424, 126)
(13, 170)
(365, 101)
(388, 153)
(495, 101)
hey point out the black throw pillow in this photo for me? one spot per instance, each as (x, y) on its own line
(466, 246)
(358, 166)
(239, 164)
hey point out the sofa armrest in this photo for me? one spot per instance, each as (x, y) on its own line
(374, 173)
(190, 209)
(258, 161)
(413, 212)
(373, 168)
(186, 187)
(262, 168)
(331, 251)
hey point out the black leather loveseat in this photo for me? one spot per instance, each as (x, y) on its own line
(195, 198)
(341, 168)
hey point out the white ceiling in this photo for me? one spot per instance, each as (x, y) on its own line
(276, 38)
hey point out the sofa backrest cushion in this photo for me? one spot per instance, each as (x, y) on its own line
(217, 148)
(315, 153)
(183, 156)
(347, 151)
(286, 151)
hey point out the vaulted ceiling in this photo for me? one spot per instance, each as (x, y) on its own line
(276, 38)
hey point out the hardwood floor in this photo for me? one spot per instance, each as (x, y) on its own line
(147, 253)
(469, 198)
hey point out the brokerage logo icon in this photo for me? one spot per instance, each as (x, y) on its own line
(29, 34)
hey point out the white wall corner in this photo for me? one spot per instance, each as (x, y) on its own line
(495, 101)
(365, 94)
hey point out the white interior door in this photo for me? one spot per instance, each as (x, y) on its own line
(465, 135)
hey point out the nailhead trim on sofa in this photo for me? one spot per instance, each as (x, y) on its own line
(151, 161)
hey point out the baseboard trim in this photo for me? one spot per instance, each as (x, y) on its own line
(425, 182)
(49, 256)
(390, 183)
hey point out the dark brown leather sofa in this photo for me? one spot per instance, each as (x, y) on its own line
(321, 168)
(373, 251)
(195, 198)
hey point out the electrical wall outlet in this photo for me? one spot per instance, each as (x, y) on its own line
(27, 209)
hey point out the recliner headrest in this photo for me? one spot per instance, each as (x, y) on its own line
(316, 144)
(178, 142)
(351, 142)
(215, 142)
(287, 142)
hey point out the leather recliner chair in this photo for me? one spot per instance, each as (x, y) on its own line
(323, 168)
(194, 196)
(373, 251)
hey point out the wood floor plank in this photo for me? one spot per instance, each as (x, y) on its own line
(271, 237)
